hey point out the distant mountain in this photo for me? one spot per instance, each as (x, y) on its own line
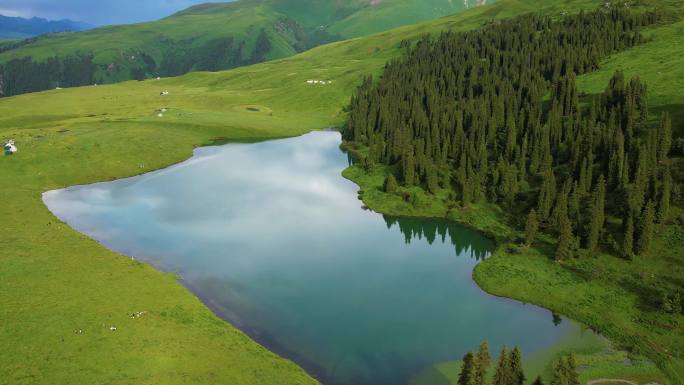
(206, 37)
(21, 28)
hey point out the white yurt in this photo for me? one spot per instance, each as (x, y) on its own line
(10, 148)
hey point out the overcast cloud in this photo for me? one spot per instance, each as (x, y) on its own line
(98, 12)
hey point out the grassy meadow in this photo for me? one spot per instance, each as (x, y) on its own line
(117, 49)
(61, 292)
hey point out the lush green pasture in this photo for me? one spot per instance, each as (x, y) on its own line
(56, 282)
(118, 48)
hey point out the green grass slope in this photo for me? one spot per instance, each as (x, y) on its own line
(200, 32)
(55, 281)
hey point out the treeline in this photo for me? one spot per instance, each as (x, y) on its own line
(495, 115)
(24, 75)
(475, 369)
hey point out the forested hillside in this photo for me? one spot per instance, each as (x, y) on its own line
(495, 116)
(207, 37)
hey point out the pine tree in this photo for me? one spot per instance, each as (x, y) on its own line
(566, 240)
(467, 376)
(531, 228)
(560, 373)
(597, 214)
(560, 210)
(570, 368)
(647, 228)
(432, 179)
(664, 137)
(665, 197)
(517, 374)
(391, 184)
(547, 194)
(409, 168)
(503, 374)
(628, 239)
(482, 362)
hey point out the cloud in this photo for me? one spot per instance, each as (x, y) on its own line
(99, 12)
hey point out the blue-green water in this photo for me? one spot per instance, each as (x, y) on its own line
(273, 239)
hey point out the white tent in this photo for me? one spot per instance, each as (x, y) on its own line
(10, 148)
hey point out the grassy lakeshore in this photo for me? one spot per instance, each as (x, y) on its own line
(61, 292)
(593, 291)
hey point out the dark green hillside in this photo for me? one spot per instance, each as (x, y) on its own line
(206, 37)
(494, 119)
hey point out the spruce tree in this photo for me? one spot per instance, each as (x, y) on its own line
(665, 197)
(664, 137)
(517, 374)
(565, 249)
(597, 214)
(467, 376)
(560, 373)
(482, 362)
(503, 375)
(570, 367)
(408, 168)
(531, 228)
(647, 228)
(547, 194)
(628, 238)
(391, 184)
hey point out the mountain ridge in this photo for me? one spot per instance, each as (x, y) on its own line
(14, 27)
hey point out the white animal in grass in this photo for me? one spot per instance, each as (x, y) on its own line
(10, 148)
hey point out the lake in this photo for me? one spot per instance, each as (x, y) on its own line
(275, 241)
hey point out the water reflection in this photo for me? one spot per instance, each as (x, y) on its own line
(275, 241)
(466, 242)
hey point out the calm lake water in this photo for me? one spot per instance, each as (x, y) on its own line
(273, 239)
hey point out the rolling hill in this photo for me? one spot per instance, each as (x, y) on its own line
(209, 37)
(52, 274)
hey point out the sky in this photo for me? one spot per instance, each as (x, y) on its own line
(97, 12)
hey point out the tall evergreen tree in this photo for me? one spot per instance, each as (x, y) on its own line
(597, 214)
(665, 197)
(391, 184)
(503, 375)
(570, 368)
(647, 227)
(628, 238)
(560, 373)
(531, 228)
(517, 373)
(467, 376)
(566, 241)
(482, 362)
(664, 137)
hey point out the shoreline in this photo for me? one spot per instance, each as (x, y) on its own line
(501, 241)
